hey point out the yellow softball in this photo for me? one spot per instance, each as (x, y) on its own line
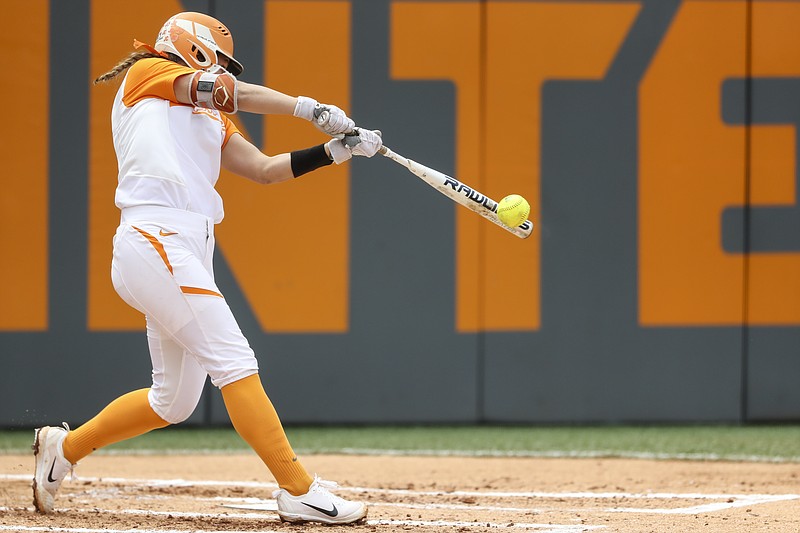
(513, 210)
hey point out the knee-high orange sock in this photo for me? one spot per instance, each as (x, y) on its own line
(127, 416)
(257, 422)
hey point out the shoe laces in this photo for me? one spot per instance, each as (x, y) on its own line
(327, 486)
(318, 483)
(324, 483)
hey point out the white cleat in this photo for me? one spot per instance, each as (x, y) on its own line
(318, 505)
(51, 466)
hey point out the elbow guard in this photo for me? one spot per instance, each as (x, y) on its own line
(214, 91)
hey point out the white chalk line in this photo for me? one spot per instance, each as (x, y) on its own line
(561, 454)
(270, 505)
(149, 512)
(542, 454)
(753, 499)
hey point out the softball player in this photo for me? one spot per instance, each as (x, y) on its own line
(171, 136)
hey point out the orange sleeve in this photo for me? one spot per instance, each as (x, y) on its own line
(152, 78)
(230, 129)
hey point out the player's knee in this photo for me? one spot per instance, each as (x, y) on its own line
(173, 409)
(177, 416)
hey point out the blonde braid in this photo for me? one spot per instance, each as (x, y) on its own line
(124, 65)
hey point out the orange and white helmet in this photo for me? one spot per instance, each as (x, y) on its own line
(199, 40)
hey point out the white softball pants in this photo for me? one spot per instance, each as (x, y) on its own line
(162, 266)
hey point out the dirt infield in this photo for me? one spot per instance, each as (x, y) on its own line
(120, 493)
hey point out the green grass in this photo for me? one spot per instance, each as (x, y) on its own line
(763, 443)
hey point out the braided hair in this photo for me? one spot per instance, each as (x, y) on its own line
(132, 58)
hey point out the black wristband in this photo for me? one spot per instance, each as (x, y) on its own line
(304, 161)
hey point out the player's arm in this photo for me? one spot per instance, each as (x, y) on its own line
(244, 159)
(249, 97)
(224, 92)
(264, 101)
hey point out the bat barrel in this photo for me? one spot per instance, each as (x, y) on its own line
(458, 192)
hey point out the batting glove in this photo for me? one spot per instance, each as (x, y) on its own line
(360, 142)
(327, 118)
(368, 142)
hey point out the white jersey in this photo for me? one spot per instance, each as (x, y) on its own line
(169, 160)
(168, 153)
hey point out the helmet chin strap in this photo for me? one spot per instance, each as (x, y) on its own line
(139, 44)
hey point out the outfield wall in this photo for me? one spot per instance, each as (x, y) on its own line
(656, 141)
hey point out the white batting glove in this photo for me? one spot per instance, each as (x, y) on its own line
(332, 120)
(360, 142)
(339, 151)
(368, 142)
(327, 118)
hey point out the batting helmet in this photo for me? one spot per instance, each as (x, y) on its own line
(199, 40)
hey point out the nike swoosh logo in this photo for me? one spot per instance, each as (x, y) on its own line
(51, 480)
(166, 233)
(333, 512)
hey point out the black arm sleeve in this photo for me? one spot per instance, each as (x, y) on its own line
(304, 161)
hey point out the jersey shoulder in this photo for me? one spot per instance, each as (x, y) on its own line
(152, 77)
(229, 127)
